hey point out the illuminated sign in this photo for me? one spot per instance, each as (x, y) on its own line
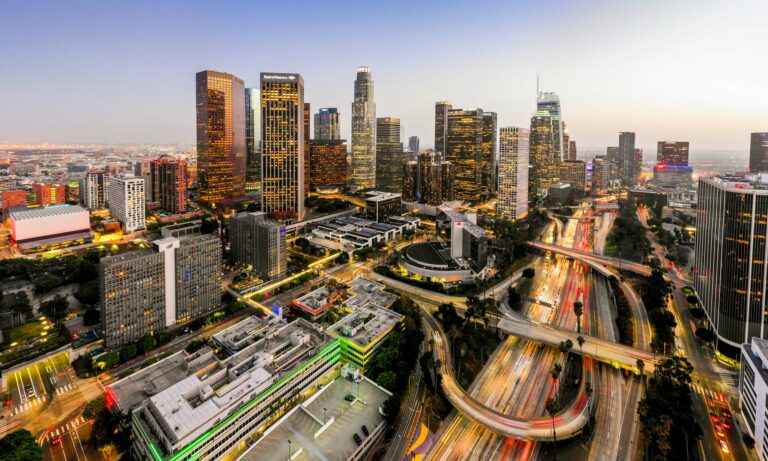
(279, 77)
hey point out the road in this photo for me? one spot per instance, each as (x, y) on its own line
(623, 264)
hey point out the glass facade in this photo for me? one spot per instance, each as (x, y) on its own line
(758, 152)
(512, 197)
(672, 153)
(627, 159)
(252, 140)
(220, 136)
(328, 163)
(168, 183)
(441, 125)
(464, 149)
(543, 166)
(327, 124)
(363, 132)
(488, 162)
(390, 155)
(282, 145)
(731, 253)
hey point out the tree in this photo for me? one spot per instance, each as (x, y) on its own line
(91, 317)
(88, 292)
(391, 407)
(21, 304)
(692, 299)
(553, 408)
(55, 308)
(529, 272)
(93, 408)
(20, 445)
(387, 380)
(148, 342)
(108, 360)
(196, 344)
(46, 282)
(128, 352)
(578, 309)
(641, 368)
(581, 342)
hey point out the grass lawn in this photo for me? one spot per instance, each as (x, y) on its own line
(27, 332)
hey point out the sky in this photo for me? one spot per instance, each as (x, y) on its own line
(124, 72)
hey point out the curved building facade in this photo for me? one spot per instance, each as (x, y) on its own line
(363, 132)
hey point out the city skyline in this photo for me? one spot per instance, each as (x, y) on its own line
(145, 98)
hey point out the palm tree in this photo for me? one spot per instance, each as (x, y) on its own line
(565, 348)
(556, 370)
(552, 409)
(578, 309)
(581, 342)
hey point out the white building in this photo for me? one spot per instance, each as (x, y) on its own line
(513, 173)
(126, 201)
(93, 189)
(753, 392)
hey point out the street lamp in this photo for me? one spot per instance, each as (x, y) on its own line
(289, 449)
(324, 415)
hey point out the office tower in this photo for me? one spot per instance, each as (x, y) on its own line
(464, 149)
(328, 164)
(49, 194)
(220, 137)
(327, 124)
(389, 155)
(566, 145)
(514, 149)
(599, 173)
(307, 118)
(730, 252)
(613, 164)
(488, 162)
(363, 132)
(627, 162)
(413, 146)
(543, 168)
(142, 170)
(132, 287)
(574, 172)
(637, 166)
(379, 205)
(758, 152)
(571, 150)
(259, 243)
(672, 153)
(410, 181)
(168, 183)
(252, 140)
(550, 102)
(126, 201)
(13, 198)
(93, 189)
(282, 145)
(175, 281)
(441, 125)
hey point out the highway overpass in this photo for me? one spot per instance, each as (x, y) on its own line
(586, 256)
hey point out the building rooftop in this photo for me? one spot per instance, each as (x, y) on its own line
(318, 300)
(56, 210)
(380, 196)
(370, 318)
(129, 256)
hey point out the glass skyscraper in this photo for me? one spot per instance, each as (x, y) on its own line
(363, 132)
(220, 136)
(512, 197)
(390, 155)
(543, 170)
(252, 140)
(758, 152)
(327, 124)
(464, 149)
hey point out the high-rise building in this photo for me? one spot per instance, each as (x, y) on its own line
(145, 291)
(574, 172)
(221, 150)
(730, 273)
(599, 173)
(258, 242)
(307, 118)
(49, 194)
(379, 205)
(127, 201)
(327, 125)
(488, 162)
(363, 132)
(672, 153)
(410, 181)
(543, 168)
(428, 180)
(328, 163)
(637, 166)
(550, 102)
(282, 145)
(168, 183)
(613, 163)
(566, 144)
(390, 156)
(758, 152)
(252, 140)
(571, 150)
(441, 125)
(413, 146)
(464, 149)
(512, 200)
(627, 159)
(93, 189)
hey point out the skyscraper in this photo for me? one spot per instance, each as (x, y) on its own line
(410, 181)
(550, 102)
(127, 201)
(441, 125)
(168, 183)
(730, 272)
(599, 174)
(327, 124)
(413, 146)
(252, 140)
(637, 166)
(220, 136)
(390, 156)
(307, 118)
(627, 159)
(758, 152)
(672, 153)
(514, 150)
(613, 163)
(572, 150)
(258, 242)
(464, 149)
(363, 132)
(93, 189)
(282, 145)
(543, 165)
(566, 144)
(574, 172)
(488, 163)
(328, 163)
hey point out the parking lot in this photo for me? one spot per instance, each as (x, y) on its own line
(336, 442)
(30, 386)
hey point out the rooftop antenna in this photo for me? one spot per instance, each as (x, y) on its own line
(537, 84)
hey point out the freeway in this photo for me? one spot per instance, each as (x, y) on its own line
(623, 264)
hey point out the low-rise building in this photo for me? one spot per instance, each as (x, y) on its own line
(316, 303)
(381, 205)
(54, 226)
(361, 233)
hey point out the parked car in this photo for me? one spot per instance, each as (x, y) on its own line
(357, 438)
(365, 431)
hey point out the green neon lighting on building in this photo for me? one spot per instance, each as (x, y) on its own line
(245, 407)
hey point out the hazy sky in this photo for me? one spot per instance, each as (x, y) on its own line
(103, 72)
